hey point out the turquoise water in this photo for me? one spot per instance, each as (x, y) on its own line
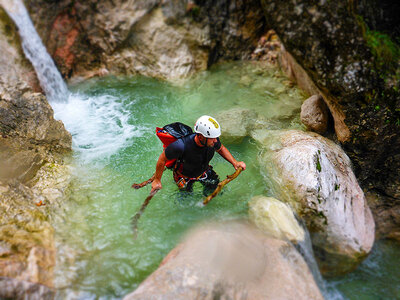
(378, 277)
(113, 122)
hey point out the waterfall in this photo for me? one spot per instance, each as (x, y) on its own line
(50, 78)
(306, 250)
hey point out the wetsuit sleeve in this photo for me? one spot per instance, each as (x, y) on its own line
(174, 150)
(217, 145)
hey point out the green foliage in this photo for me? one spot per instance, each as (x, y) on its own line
(386, 52)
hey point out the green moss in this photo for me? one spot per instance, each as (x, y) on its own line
(317, 162)
(384, 49)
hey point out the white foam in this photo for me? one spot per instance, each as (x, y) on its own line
(99, 125)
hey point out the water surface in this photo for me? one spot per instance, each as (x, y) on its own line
(112, 121)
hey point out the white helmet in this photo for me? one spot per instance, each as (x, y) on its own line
(207, 127)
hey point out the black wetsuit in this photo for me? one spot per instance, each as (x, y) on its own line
(193, 161)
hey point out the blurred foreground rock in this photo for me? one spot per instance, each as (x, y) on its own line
(230, 261)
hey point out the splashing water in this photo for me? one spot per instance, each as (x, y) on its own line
(99, 125)
(50, 79)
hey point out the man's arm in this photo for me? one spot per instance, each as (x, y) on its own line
(156, 184)
(224, 152)
(173, 151)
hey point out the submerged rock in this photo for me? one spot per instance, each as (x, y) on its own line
(236, 124)
(230, 261)
(315, 176)
(275, 218)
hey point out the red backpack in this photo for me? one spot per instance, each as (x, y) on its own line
(169, 134)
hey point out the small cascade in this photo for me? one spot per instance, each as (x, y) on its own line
(50, 78)
(305, 248)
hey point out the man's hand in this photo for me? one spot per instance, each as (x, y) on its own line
(239, 164)
(156, 185)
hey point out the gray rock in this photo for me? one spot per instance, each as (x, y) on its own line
(314, 114)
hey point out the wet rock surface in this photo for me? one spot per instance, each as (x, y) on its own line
(230, 260)
(315, 176)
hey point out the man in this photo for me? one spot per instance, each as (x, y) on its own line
(193, 154)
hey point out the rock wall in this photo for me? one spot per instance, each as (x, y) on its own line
(166, 39)
(356, 74)
(32, 147)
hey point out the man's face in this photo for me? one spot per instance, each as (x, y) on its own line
(211, 142)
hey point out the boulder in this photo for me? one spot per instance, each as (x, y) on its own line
(314, 114)
(230, 261)
(275, 218)
(314, 175)
(236, 124)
